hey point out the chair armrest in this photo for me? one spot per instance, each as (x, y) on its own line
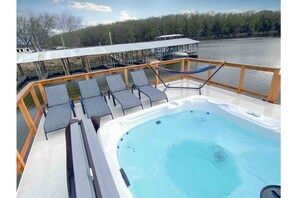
(81, 100)
(82, 104)
(129, 87)
(135, 86)
(152, 84)
(72, 107)
(71, 102)
(103, 95)
(108, 93)
(43, 109)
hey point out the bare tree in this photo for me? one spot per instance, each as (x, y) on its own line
(35, 29)
(66, 23)
(23, 36)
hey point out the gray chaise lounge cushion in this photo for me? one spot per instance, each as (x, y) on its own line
(115, 83)
(57, 95)
(57, 117)
(96, 106)
(139, 78)
(142, 84)
(119, 91)
(59, 108)
(92, 100)
(89, 88)
(153, 93)
(127, 99)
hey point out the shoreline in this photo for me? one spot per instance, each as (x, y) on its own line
(275, 34)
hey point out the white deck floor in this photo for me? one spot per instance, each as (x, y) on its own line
(45, 171)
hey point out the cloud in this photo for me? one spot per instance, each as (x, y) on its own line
(107, 22)
(56, 31)
(57, 1)
(126, 16)
(188, 12)
(91, 23)
(89, 6)
(123, 17)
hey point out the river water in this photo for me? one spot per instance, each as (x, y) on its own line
(263, 51)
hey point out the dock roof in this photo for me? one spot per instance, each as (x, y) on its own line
(100, 50)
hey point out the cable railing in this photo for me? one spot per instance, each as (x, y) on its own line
(35, 91)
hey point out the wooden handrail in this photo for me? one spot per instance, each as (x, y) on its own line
(29, 89)
(24, 91)
(20, 163)
(42, 92)
(238, 65)
(241, 79)
(274, 87)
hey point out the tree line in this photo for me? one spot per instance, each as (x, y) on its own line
(198, 26)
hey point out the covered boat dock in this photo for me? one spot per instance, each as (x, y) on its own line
(47, 64)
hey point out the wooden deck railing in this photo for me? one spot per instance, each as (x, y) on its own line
(185, 63)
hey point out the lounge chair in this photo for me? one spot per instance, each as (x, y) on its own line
(59, 107)
(141, 83)
(93, 100)
(119, 91)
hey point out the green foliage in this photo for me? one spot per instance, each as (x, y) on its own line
(193, 25)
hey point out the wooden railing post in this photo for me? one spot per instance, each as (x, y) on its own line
(241, 79)
(26, 115)
(126, 77)
(188, 67)
(274, 87)
(209, 73)
(182, 68)
(35, 99)
(20, 163)
(156, 77)
(30, 124)
(42, 92)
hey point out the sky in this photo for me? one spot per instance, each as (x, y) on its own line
(94, 12)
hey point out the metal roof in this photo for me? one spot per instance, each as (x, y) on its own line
(100, 50)
(168, 36)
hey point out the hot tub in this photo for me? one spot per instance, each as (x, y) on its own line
(199, 155)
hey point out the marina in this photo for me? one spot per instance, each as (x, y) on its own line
(49, 64)
(230, 50)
